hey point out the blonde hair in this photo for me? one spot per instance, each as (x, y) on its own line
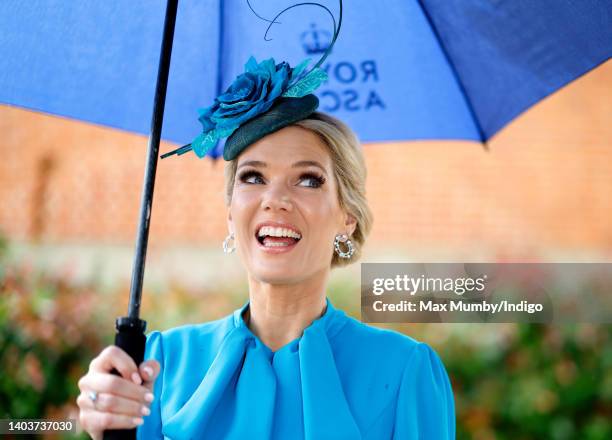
(349, 170)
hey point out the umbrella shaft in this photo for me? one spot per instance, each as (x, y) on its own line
(151, 165)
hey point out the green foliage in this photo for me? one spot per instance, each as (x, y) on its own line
(539, 381)
(49, 331)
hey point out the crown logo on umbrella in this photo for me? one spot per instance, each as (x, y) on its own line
(315, 41)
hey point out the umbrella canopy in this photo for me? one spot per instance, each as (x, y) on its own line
(401, 69)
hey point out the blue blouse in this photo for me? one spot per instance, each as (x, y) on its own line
(341, 379)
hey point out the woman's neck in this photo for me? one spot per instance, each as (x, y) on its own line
(278, 314)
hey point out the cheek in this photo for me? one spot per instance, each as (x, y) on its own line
(242, 208)
(241, 198)
(322, 215)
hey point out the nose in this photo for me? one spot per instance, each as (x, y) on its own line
(277, 199)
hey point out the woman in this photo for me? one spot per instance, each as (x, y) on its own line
(287, 364)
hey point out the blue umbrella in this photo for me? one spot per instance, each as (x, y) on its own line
(401, 70)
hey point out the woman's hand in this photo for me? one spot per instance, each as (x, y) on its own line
(122, 400)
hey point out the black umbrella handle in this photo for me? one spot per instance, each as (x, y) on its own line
(131, 338)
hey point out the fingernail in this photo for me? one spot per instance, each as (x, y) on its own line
(149, 371)
(137, 420)
(149, 397)
(145, 411)
(136, 378)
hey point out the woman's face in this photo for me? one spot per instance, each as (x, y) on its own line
(285, 182)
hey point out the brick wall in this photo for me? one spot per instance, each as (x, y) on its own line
(544, 186)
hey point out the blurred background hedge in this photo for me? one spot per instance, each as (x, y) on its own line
(510, 381)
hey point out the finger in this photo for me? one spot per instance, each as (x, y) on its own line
(114, 357)
(85, 422)
(149, 370)
(112, 384)
(114, 404)
(93, 420)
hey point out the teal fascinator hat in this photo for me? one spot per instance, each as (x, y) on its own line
(263, 99)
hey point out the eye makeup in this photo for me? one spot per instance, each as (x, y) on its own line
(318, 178)
(247, 175)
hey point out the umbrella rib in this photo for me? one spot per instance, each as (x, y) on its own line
(220, 48)
(468, 101)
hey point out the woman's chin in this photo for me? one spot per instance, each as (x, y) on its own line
(275, 278)
(277, 275)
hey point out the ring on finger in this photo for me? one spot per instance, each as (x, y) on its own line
(93, 396)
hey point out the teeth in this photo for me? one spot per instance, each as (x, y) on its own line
(268, 244)
(278, 232)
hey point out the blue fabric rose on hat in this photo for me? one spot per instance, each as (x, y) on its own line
(252, 93)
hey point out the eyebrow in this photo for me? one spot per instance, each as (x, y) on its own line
(301, 163)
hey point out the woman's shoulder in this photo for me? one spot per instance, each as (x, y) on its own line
(386, 348)
(202, 329)
(370, 337)
(200, 336)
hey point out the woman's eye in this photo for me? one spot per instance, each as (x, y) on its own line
(315, 180)
(250, 177)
